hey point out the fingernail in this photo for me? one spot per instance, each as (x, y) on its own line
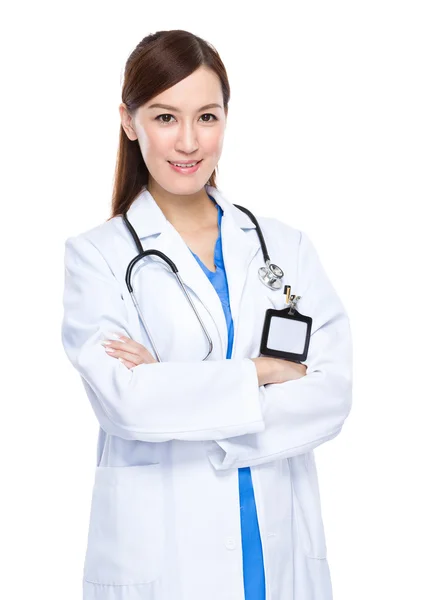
(109, 349)
(105, 342)
(121, 360)
(117, 337)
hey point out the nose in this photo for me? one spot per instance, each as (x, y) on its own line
(187, 139)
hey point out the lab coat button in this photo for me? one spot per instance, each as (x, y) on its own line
(230, 544)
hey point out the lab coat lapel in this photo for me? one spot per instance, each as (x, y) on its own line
(238, 250)
(240, 245)
(173, 245)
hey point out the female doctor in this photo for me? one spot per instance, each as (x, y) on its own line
(205, 483)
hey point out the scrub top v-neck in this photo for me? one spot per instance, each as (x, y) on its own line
(253, 563)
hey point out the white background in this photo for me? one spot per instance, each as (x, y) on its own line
(331, 128)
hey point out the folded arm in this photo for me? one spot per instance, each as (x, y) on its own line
(155, 402)
(303, 413)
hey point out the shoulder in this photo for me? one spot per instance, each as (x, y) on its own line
(288, 242)
(97, 248)
(280, 232)
(101, 237)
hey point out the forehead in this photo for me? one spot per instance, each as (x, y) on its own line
(198, 89)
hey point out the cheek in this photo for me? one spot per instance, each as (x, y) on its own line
(212, 142)
(154, 144)
(145, 143)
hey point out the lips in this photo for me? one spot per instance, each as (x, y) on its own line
(185, 163)
(186, 170)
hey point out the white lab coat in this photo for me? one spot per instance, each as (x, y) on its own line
(165, 512)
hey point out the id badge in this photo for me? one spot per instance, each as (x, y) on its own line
(286, 333)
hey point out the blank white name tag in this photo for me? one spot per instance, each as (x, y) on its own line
(286, 334)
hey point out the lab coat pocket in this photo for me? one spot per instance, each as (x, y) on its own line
(126, 530)
(307, 506)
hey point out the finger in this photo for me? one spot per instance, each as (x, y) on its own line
(133, 358)
(147, 356)
(132, 343)
(129, 346)
(138, 348)
(132, 347)
(120, 345)
(127, 363)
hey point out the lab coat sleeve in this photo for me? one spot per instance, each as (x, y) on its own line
(156, 402)
(303, 413)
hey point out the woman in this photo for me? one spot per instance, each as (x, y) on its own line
(205, 483)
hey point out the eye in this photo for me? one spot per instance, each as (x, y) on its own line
(214, 118)
(210, 115)
(165, 115)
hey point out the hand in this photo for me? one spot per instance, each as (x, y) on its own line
(130, 353)
(277, 370)
(287, 370)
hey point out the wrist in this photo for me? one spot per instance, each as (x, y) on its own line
(265, 369)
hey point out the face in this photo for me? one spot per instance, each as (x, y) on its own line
(186, 129)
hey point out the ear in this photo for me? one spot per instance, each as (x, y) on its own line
(127, 122)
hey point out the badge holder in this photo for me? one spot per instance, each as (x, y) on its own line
(286, 333)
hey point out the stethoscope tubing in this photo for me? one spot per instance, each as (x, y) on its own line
(142, 253)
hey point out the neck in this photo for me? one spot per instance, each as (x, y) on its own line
(186, 213)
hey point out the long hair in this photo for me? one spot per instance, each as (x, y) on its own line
(158, 62)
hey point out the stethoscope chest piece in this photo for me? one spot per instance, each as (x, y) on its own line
(286, 333)
(271, 275)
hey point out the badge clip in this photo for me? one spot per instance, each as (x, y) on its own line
(291, 299)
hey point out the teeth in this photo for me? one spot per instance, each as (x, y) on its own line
(190, 165)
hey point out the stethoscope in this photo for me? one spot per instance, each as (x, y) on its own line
(271, 275)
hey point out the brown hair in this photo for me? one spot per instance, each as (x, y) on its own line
(158, 62)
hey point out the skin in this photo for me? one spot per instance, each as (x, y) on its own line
(166, 135)
(190, 133)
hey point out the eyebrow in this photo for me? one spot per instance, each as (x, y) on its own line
(173, 108)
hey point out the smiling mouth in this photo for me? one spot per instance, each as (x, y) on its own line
(185, 165)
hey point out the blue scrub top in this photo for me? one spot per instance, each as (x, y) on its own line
(253, 564)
